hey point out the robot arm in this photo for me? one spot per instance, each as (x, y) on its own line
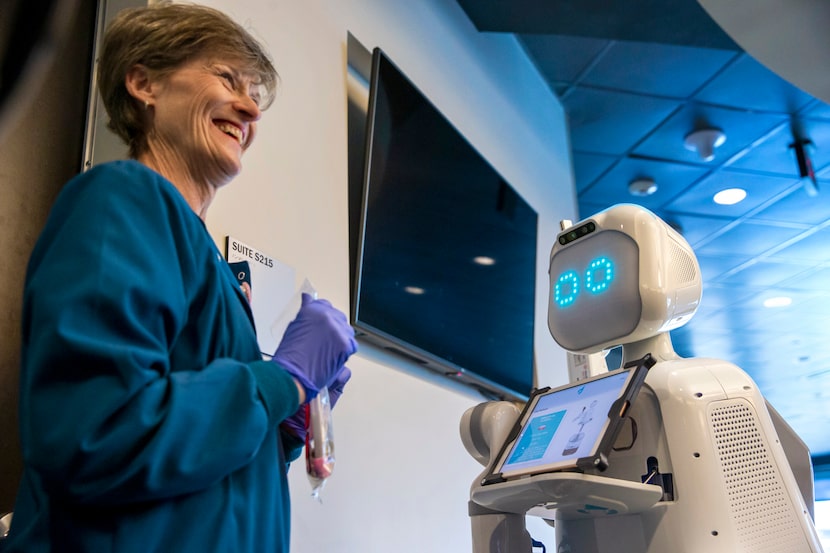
(483, 429)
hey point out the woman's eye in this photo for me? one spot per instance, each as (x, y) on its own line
(228, 77)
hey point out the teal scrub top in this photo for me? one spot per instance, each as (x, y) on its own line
(149, 421)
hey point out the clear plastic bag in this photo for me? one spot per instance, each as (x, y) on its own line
(319, 442)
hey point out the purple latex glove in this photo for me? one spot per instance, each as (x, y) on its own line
(296, 423)
(336, 387)
(316, 345)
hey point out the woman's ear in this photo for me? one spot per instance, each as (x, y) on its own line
(139, 84)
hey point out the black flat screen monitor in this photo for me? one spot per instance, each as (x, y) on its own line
(446, 259)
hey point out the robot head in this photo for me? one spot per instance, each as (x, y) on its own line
(620, 277)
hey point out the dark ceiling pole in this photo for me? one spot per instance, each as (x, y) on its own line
(805, 164)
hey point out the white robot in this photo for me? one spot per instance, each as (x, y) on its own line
(702, 465)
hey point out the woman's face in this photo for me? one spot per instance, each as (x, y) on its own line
(205, 115)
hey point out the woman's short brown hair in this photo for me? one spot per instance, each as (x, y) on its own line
(162, 37)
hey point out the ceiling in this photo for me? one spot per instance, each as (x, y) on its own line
(634, 79)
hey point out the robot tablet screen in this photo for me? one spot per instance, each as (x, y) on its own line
(571, 427)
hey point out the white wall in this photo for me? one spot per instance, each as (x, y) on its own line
(402, 476)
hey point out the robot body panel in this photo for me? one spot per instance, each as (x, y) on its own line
(733, 489)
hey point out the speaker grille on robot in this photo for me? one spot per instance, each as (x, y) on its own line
(760, 506)
(681, 264)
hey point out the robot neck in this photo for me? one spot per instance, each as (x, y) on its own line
(660, 347)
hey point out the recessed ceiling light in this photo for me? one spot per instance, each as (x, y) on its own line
(730, 196)
(484, 260)
(778, 301)
(414, 290)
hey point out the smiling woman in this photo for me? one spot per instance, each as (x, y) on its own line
(148, 419)
(168, 89)
(200, 119)
(136, 38)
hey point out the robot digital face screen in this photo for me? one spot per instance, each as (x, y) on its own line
(594, 295)
(563, 425)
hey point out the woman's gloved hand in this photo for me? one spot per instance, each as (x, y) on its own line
(296, 424)
(336, 387)
(316, 345)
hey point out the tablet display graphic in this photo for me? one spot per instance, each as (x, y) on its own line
(536, 438)
(565, 425)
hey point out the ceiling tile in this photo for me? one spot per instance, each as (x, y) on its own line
(729, 331)
(749, 238)
(816, 110)
(702, 342)
(816, 278)
(774, 154)
(587, 210)
(609, 123)
(748, 84)
(764, 274)
(720, 296)
(810, 323)
(588, 167)
(741, 129)
(562, 58)
(657, 69)
(560, 88)
(760, 189)
(694, 228)
(812, 248)
(797, 207)
(671, 180)
(712, 266)
(751, 320)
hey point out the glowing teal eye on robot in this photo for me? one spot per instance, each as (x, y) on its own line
(566, 288)
(599, 275)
